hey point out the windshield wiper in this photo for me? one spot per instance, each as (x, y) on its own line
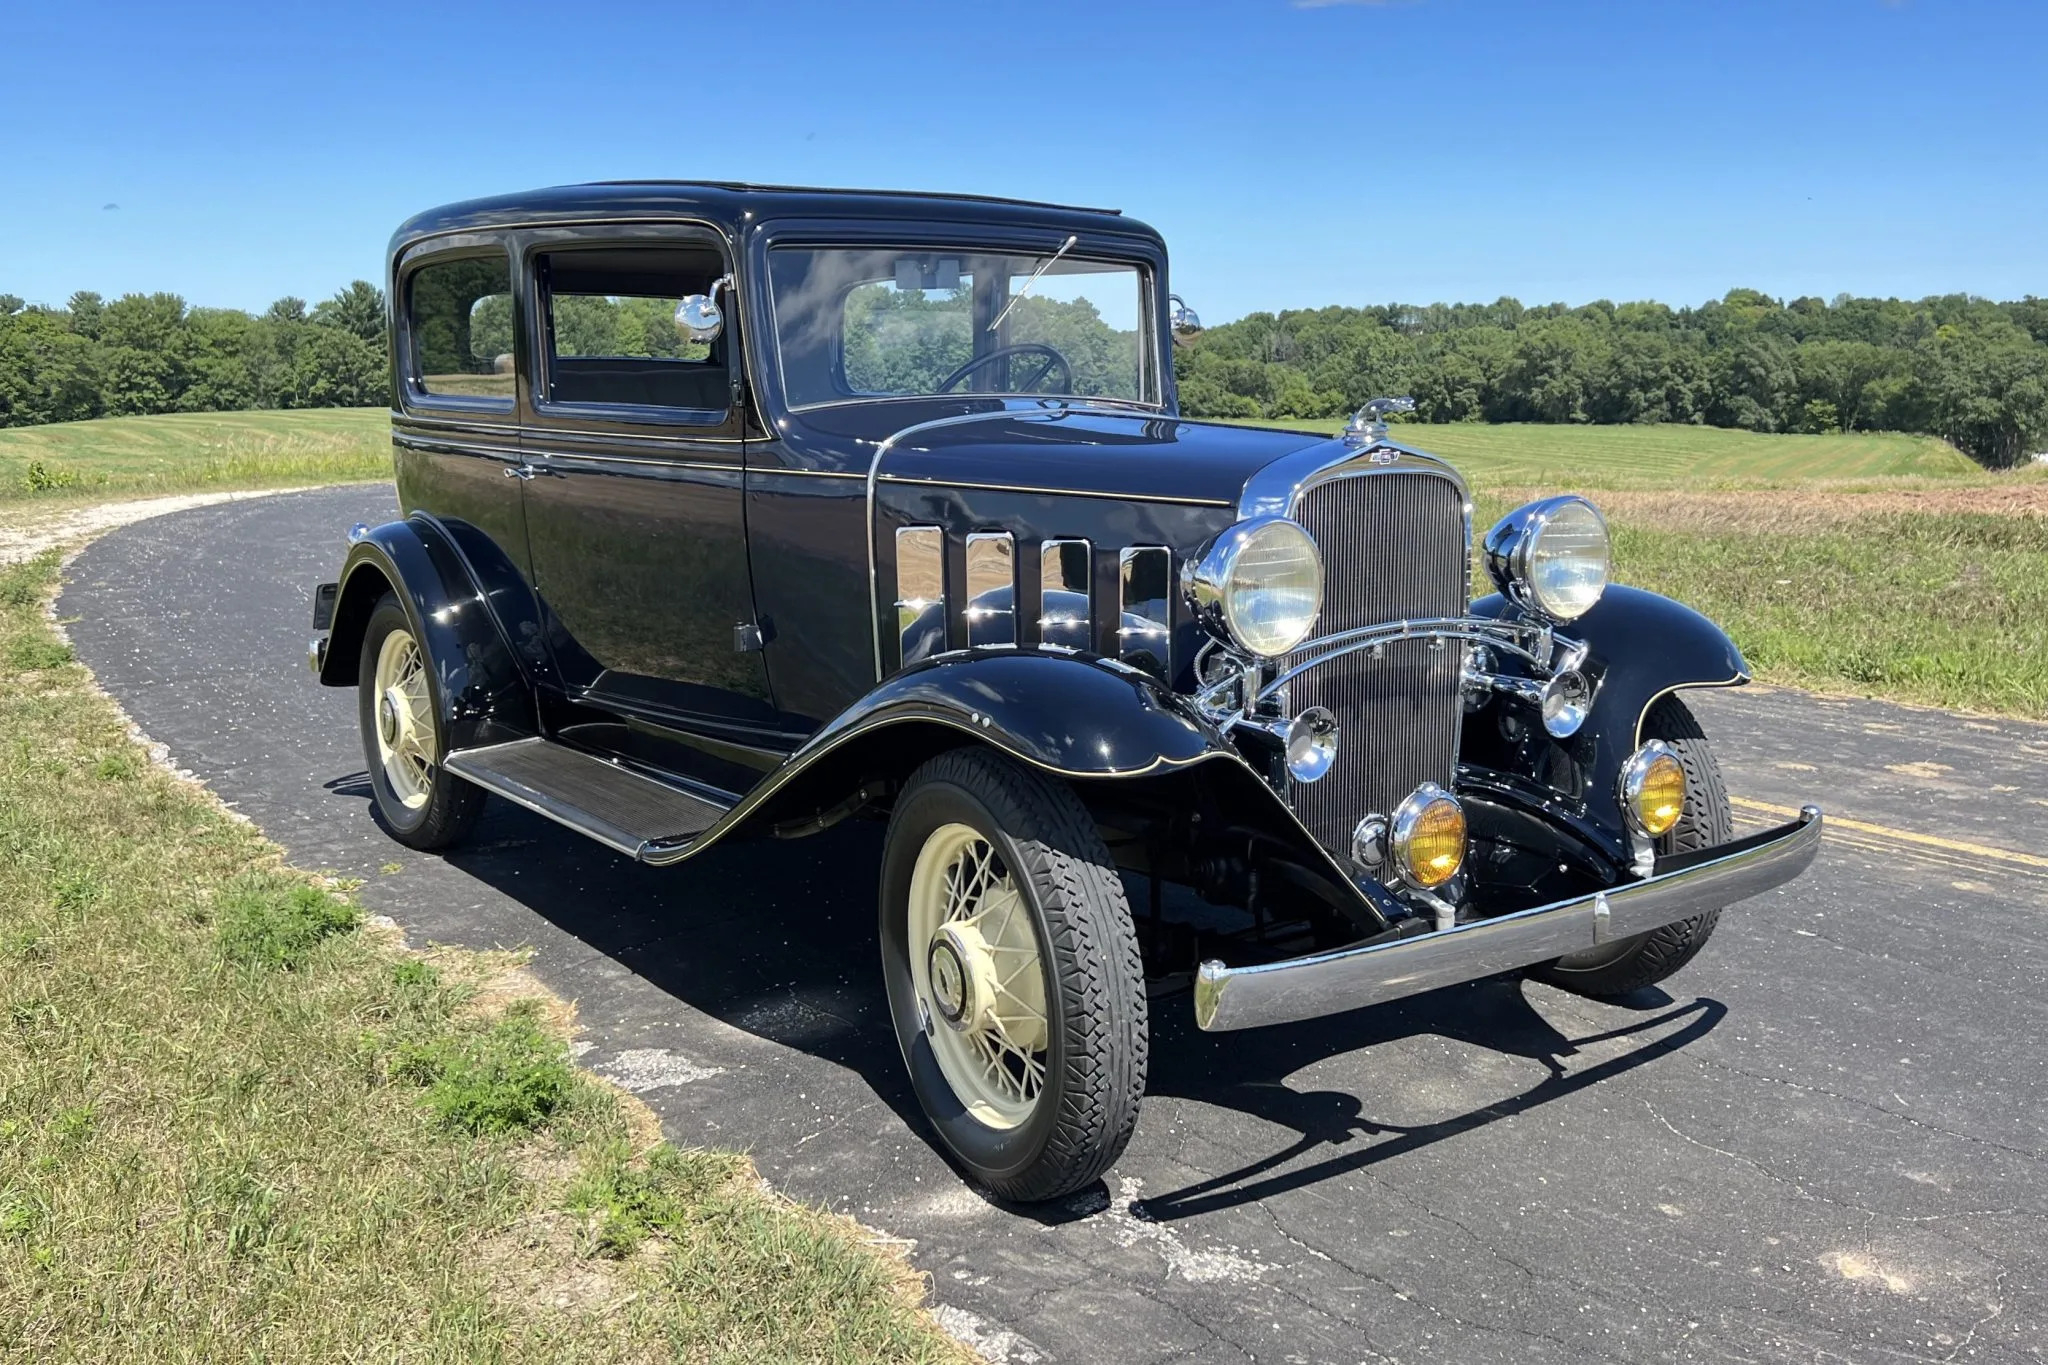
(1048, 264)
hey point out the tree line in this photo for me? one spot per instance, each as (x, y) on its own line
(1967, 369)
(150, 353)
(1970, 370)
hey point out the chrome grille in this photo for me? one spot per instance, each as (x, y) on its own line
(1394, 548)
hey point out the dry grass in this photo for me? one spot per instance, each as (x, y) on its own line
(235, 1125)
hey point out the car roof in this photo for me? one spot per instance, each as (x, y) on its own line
(734, 202)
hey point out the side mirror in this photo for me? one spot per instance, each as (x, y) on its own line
(698, 317)
(1186, 323)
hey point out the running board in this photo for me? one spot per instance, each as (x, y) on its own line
(613, 804)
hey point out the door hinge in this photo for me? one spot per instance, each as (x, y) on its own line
(749, 636)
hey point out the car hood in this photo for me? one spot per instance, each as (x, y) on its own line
(1093, 451)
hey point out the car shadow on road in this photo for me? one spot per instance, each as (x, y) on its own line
(779, 939)
(1247, 1072)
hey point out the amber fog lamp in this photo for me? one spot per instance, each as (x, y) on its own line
(1653, 789)
(1427, 837)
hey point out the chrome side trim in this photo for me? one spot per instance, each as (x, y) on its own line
(1145, 629)
(920, 584)
(1066, 593)
(991, 569)
(874, 468)
(1055, 492)
(1325, 983)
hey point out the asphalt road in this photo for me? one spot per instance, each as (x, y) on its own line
(1827, 1142)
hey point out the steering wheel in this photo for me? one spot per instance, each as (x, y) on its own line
(1053, 360)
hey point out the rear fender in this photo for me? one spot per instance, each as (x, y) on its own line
(1640, 647)
(481, 694)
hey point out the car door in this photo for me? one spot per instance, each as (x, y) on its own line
(634, 502)
(454, 429)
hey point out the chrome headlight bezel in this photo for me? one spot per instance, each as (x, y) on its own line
(1209, 583)
(1510, 550)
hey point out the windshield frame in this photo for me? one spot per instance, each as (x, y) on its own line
(1031, 242)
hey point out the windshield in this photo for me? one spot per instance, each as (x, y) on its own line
(862, 323)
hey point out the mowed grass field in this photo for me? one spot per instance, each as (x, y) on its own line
(1884, 563)
(1524, 455)
(133, 457)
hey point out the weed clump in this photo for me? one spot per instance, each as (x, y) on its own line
(507, 1078)
(267, 925)
(623, 1202)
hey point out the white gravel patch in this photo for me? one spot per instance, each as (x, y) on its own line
(26, 536)
(642, 1069)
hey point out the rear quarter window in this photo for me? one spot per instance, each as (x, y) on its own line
(459, 314)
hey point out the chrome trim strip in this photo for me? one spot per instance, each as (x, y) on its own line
(1325, 983)
(923, 548)
(1276, 489)
(433, 444)
(1057, 492)
(1066, 632)
(1131, 561)
(991, 567)
(874, 465)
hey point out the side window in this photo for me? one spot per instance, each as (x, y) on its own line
(459, 314)
(611, 335)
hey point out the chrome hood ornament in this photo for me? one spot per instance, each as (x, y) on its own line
(1369, 424)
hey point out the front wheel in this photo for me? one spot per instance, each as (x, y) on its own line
(1013, 974)
(1644, 960)
(423, 804)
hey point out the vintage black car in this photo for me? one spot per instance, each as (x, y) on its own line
(737, 510)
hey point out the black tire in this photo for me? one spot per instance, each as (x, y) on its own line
(452, 804)
(1096, 1044)
(1628, 966)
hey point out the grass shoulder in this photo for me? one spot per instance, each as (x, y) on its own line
(236, 1121)
(195, 451)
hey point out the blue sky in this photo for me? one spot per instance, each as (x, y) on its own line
(1294, 154)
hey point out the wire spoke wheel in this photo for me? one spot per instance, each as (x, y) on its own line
(406, 742)
(979, 974)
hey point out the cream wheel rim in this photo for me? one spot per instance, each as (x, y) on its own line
(979, 976)
(404, 720)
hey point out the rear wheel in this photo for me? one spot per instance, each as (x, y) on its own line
(1644, 960)
(421, 803)
(1013, 974)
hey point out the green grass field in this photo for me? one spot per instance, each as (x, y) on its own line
(133, 457)
(1518, 455)
(1879, 563)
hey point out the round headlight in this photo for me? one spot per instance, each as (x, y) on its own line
(1653, 789)
(1552, 555)
(1259, 586)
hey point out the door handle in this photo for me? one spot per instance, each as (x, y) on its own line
(520, 471)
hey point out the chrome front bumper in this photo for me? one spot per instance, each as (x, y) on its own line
(1325, 983)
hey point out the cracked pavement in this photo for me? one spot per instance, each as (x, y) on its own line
(1823, 1140)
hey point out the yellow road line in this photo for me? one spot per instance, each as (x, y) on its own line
(1836, 822)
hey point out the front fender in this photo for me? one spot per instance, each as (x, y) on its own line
(1640, 646)
(1077, 716)
(480, 694)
